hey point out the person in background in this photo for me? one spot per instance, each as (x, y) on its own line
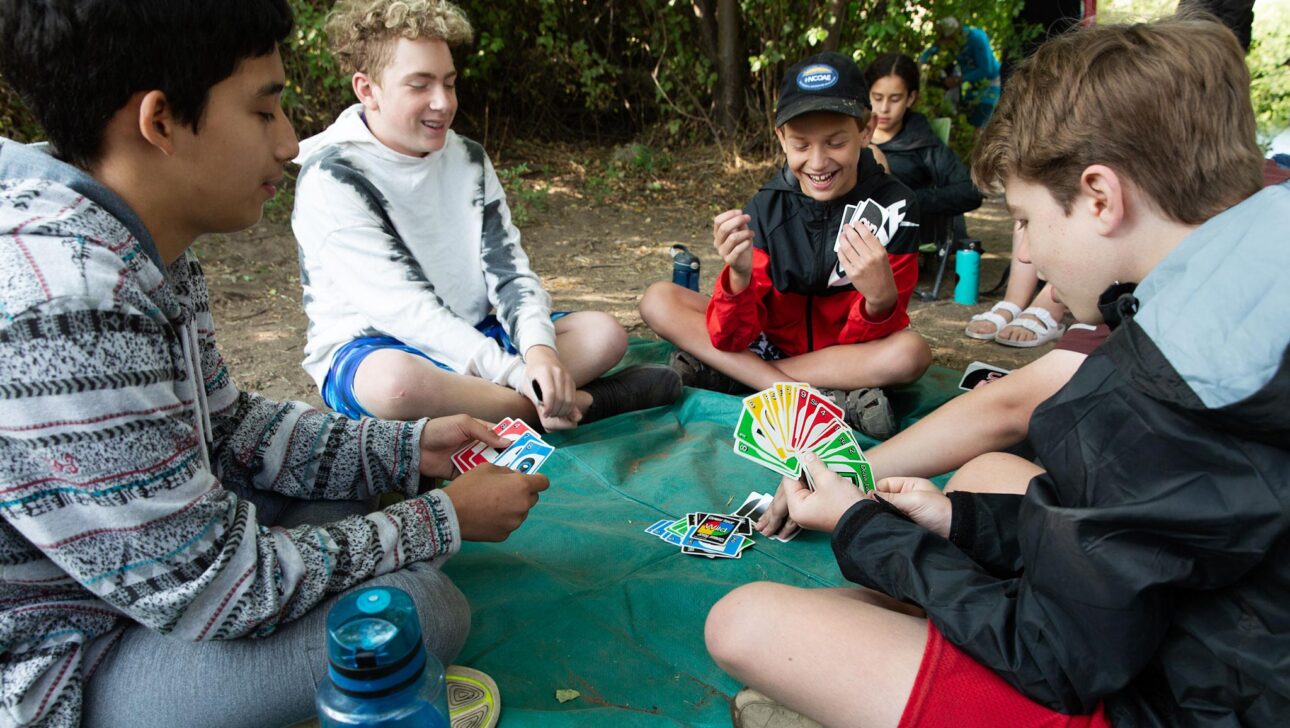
(975, 73)
(913, 153)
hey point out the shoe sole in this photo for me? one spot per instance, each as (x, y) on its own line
(473, 698)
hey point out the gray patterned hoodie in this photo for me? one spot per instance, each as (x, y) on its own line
(418, 248)
(119, 476)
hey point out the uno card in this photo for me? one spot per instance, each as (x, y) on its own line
(658, 527)
(752, 443)
(525, 455)
(979, 374)
(472, 455)
(755, 505)
(759, 407)
(513, 429)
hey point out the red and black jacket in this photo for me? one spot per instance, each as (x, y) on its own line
(790, 298)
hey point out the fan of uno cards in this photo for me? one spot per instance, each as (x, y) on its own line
(526, 453)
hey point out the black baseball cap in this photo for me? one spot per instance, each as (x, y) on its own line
(826, 81)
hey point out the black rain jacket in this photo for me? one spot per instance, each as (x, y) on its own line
(1149, 568)
(941, 183)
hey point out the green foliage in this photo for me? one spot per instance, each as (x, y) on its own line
(16, 122)
(625, 70)
(523, 199)
(1269, 62)
(316, 89)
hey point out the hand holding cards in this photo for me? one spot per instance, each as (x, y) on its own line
(780, 423)
(526, 454)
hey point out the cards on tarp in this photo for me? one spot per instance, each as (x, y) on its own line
(979, 374)
(714, 535)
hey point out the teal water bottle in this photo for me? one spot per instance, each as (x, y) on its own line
(379, 674)
(967, 265)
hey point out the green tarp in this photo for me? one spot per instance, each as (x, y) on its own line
(581, 598)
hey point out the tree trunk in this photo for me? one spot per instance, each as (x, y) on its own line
(836, 24)
(705, 12)
(731, 67)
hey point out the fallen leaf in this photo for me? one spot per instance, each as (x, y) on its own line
(565, 696)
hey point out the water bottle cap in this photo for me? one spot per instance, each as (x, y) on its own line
(372, 628)
(373, 601)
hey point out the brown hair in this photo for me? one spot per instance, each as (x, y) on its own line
(1166, 104)
(362, 32)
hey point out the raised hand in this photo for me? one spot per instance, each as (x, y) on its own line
(867, 266)
(733, 240)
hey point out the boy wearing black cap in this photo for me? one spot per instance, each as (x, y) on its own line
(800, 299)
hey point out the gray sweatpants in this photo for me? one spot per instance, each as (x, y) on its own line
(152, 680)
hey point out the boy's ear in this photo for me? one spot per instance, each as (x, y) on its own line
(363, 89)
(867, 129)
(157, 122)
(1102, 192)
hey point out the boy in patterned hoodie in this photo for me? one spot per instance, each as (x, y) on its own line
(152, 516)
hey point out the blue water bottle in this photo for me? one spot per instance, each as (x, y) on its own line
(685, 267)
(379, 673)
(967, 265)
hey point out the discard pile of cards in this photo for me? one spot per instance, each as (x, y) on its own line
(781, 423)
(526, 453)
(714, 535)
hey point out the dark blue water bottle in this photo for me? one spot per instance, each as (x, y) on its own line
(685, 268)
(379, 674)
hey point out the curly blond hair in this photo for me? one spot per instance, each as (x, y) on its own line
(363, 32)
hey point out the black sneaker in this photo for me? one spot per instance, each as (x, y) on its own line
(866, 409)
(634, 388)
(695, 373)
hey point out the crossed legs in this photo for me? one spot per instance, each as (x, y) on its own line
(401, 386)
(679, 315)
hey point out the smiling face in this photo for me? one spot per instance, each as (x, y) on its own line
(1065, 247)
(891, 99)
(823, 150)
(221, 175)
(409, 106)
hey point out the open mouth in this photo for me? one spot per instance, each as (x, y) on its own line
(821, 180)
(436, 126)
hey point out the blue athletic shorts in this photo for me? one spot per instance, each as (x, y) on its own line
(338, 385)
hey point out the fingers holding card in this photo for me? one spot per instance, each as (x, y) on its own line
(526, 453)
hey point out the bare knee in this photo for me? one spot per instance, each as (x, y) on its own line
(388, 383)
(910, 358)
(737, 624)
(611, 336)
(994, 472)
(658, 305)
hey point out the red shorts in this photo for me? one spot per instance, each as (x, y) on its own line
(952, 689)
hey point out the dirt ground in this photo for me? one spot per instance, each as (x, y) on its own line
(598, 225)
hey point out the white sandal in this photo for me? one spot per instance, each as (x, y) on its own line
(1045, 329)
(993, 318)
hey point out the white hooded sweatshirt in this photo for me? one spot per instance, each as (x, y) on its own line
(418, 248)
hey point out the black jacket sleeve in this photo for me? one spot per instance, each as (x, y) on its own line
(984, 526)
(1138, 515)
(953, 192)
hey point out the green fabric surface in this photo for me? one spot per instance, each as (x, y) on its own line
(581, 598)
